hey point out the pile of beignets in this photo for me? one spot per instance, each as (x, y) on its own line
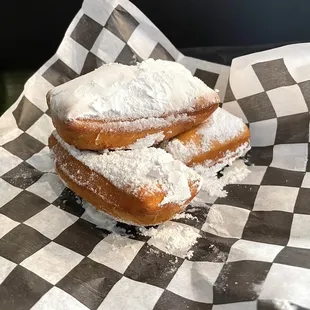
(128, 138)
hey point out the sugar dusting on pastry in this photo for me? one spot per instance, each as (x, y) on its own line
(114, 91)
(145, 123)
(221, 127)
(147, 141)
(149, 168)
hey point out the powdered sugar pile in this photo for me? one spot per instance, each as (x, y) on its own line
(118, 92)
(172, 238)
(100, 219)
(214, 186)
(185, 215)
(221, 126)
(151, 169)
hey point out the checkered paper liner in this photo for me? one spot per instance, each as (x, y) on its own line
(256, 257)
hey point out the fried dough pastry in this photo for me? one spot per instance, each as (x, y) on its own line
(141, 187)
(119, 106)
(222, 138)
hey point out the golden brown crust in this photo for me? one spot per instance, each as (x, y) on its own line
(90, 134)
(93, 187)
(217, 152)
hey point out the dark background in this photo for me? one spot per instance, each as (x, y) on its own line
(30, 31)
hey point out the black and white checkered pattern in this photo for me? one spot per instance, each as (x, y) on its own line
(254, 249)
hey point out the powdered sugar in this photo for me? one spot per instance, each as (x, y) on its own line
(184, 215)
(150, 169)
(145, 123)
(227, 160)
(101, 219)
(172, 238)
(181, 151)
(282, 304)
(216, 252)
(213, 185)
(221, 127)
(189, 254)
(147, 141)
(119, 92)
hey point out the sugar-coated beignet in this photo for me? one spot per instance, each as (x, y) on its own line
(142, 187)
(221, 138)
(117, 105)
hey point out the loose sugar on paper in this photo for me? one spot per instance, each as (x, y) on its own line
(172, 238)
(213, 185)
(185, 215)
(101, 219)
